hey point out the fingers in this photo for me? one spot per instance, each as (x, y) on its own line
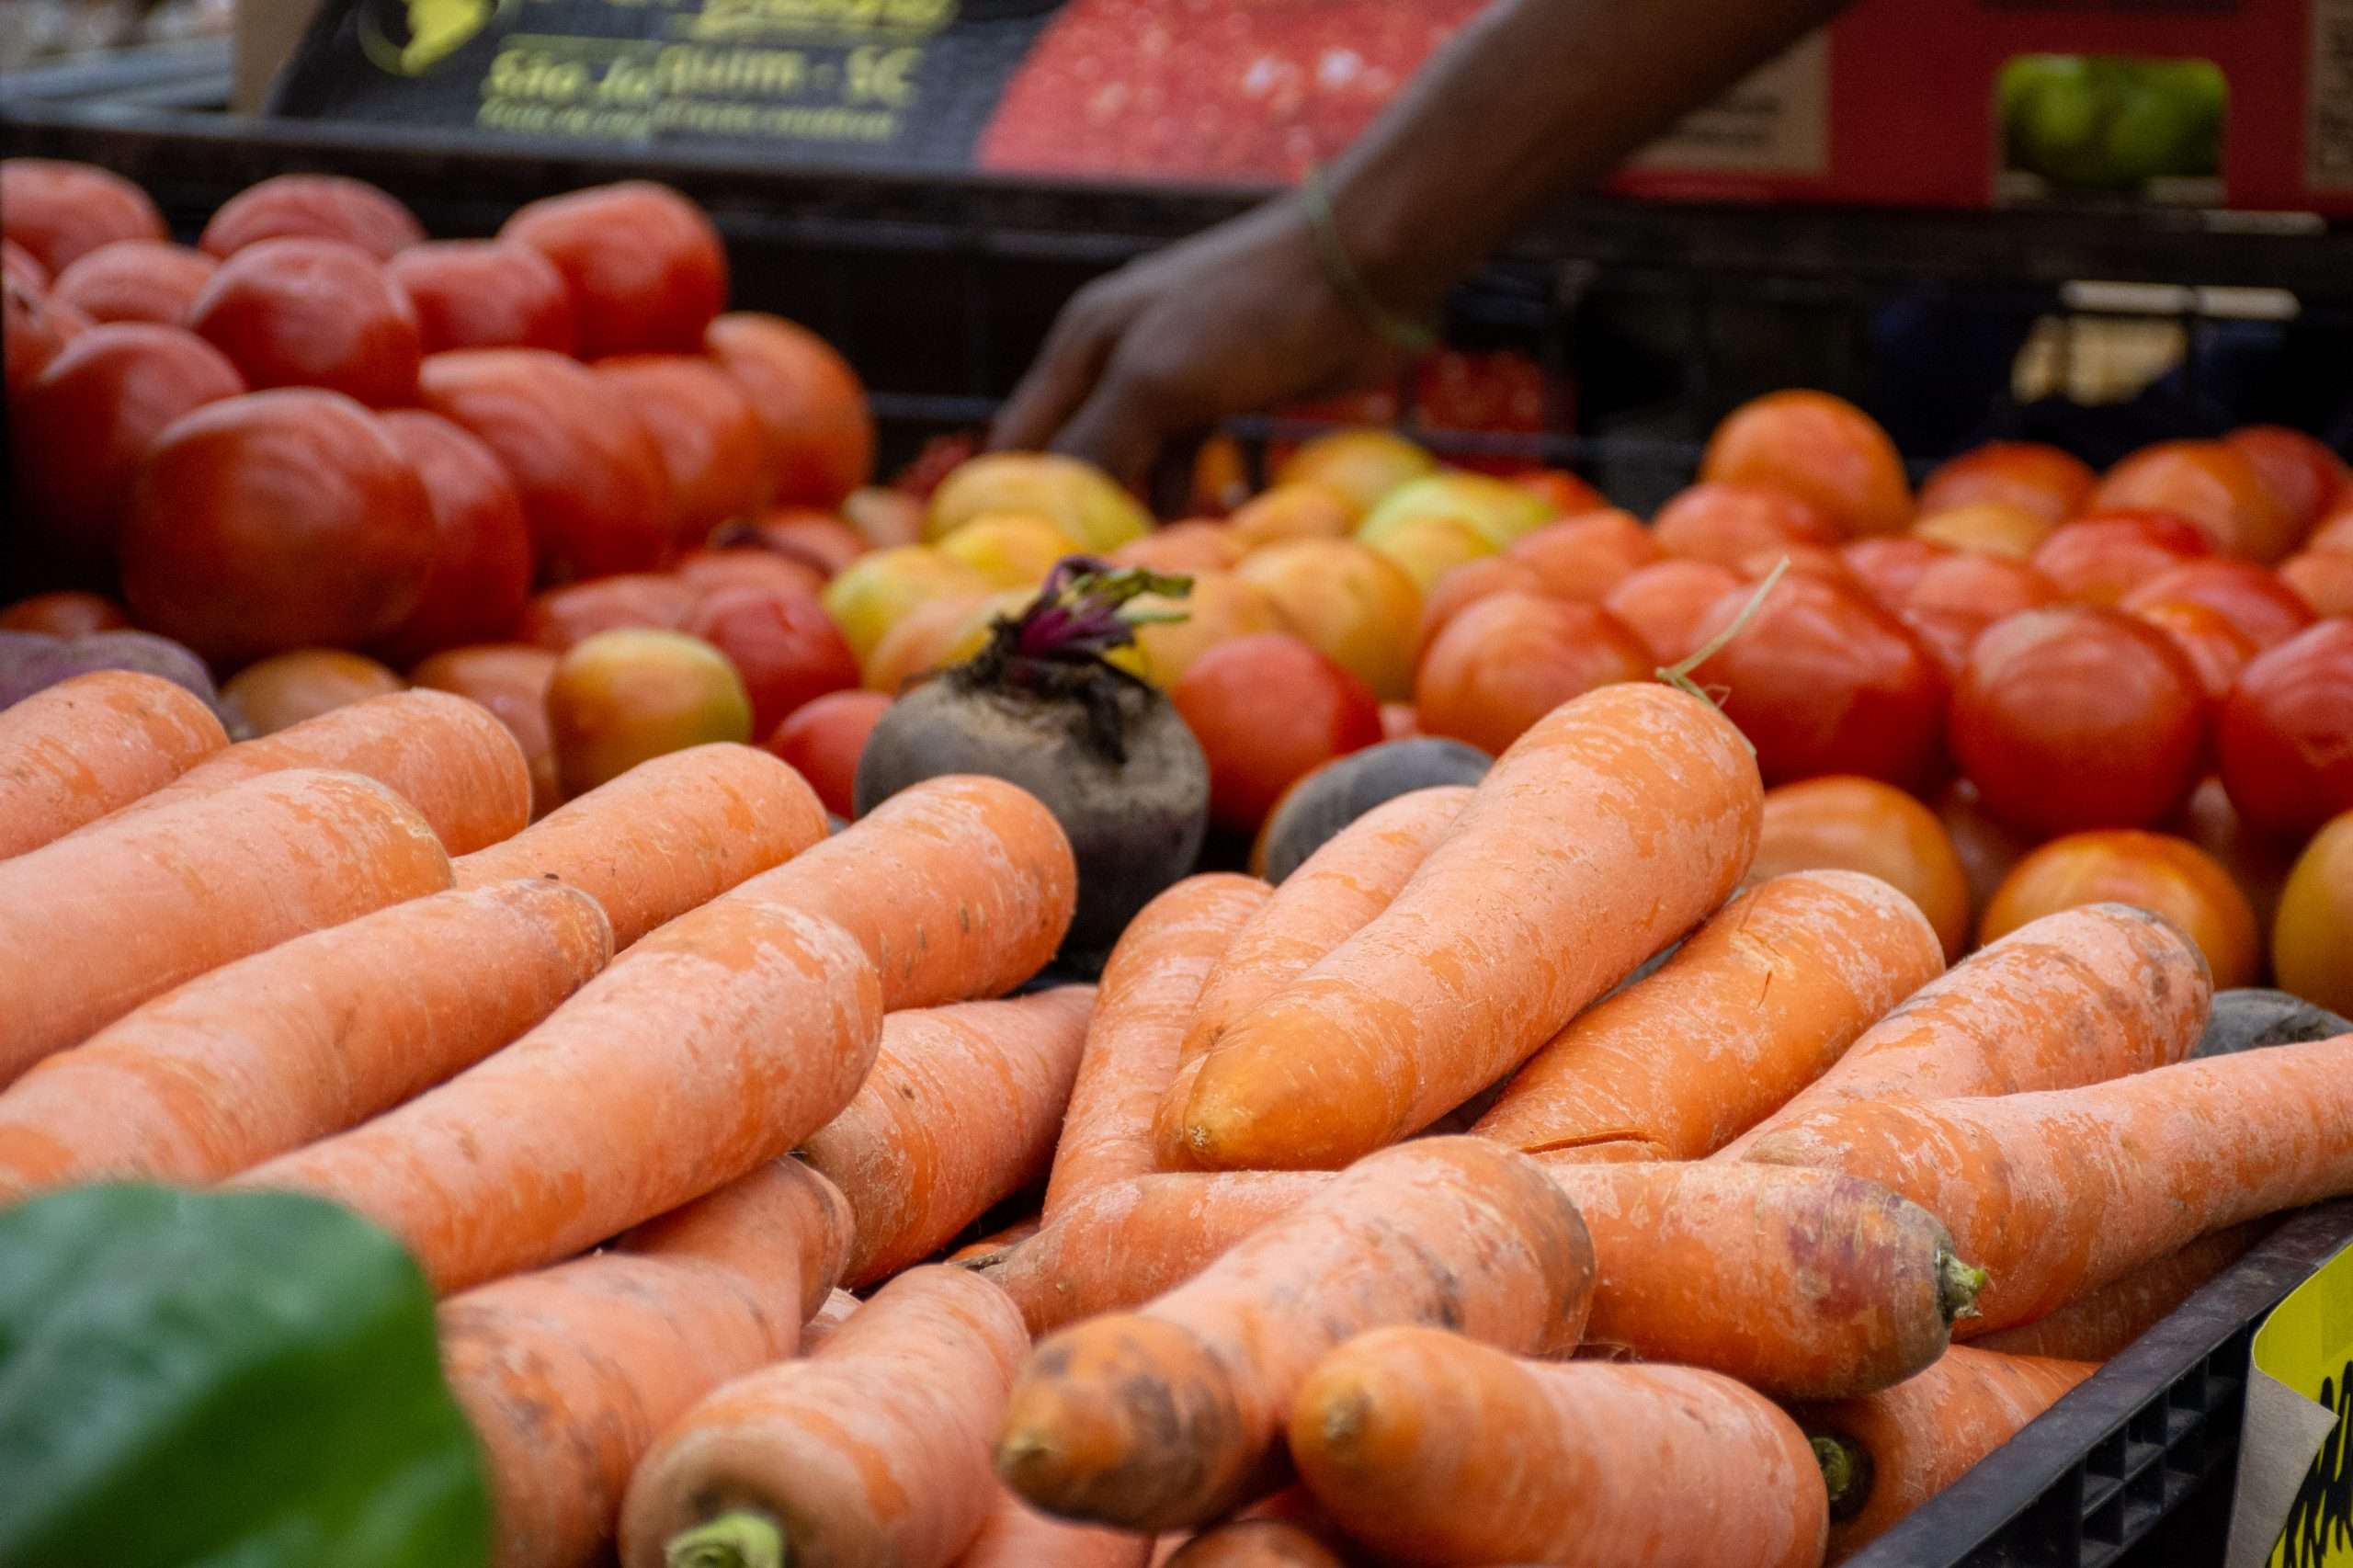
(1065, 371)
(1115, 430)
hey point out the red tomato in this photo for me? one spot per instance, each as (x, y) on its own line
(136, 281)
(1726, 523)
(1584, 558)
(784, 645)
(1796, 560)
(748, 566)
(825, 740)
(2098, 560)
(2322, 580)
(2257, 862)
(821, 435)
(59, 212)
(1887, 567)
(2032, 477)
(284, 689)
(1268, 708)
(16, 264)
(2286, 731)
(313, 313)
(1956, 598)
(1469, 583)
(481, 561)
(2149, 870)
(646, 269)
(1665, 604)
(820, 540)
(2334, 534)
(66, 614)
(2301, 475)
(564, 618)
(2213, 485)
(275, 521)
(1861, 825)
(1567, 493)
(1511, 658)
(312, 207)
(2076, 717)
(1823, 681)
(709, 439)
(30, 336)
(2212, 642)
(2251, 598)
(590, 477)
(485, 295)
(512, 681)
(1820, 449)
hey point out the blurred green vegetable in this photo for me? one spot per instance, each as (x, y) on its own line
(2102, 122)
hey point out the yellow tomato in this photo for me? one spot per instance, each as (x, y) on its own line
(2311, 939)
(1501, 513)
(1080, 499)
(1353, 603)
(871, 595)
(1363, 465)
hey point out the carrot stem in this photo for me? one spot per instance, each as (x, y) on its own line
(1679, 675)
(1958, 1285)
(742, 1538)
(1845, 1472)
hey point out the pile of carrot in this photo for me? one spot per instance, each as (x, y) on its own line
(1407, 1211)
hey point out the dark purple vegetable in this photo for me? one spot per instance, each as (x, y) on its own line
(2250, 1018)
(30, 662)
(1346, 788)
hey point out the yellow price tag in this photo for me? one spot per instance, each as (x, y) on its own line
(2296, 1458)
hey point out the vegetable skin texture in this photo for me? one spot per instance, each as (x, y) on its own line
(300, 1041)
(131, 905)
(1255, 1543)
(2098, 1326)
(1616, 823)
(1169, 1416)
(1018, 1536)
(1754, 1007)
(667, 835)
(86, 746)
(1398, 1434)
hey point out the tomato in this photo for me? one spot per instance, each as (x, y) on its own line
(647, 272)
(1990, 528)
(1501, 512)
(713, 453)
(59, 212)
(881, 587)
(1009, 549)
(1955, 599)
(312, 207)
(2214, 645)
(1304, 510)
(16, 264)
(511, 680)
(562, 619)
(2155, 871)
(1364, 465)
(2098, 560)
(1469, 583)
(939, 633)
(1822, 449)
(748, 565)
(2286, 731)
(1511, 658)
(2334, 533)
(591, 479)
(2051, 483)
(78, 432)
(1797, 561)
(1987, 848)
(145, 280)
(2076, 717)
(623, 698)
(817, 540)
(1725, 523)
(2311, 954)
(1665, 604)
(1349, 601)
(485, 295)
(482, 562)
(1431, 547)
(826, 739)
(67, 613)
(1182, 547)
(2301, 475)
(1889, 565)
(1583, 557)
(31, 336)
(275, 521)
(2322, 580)
(2251, 598)
(1268, 710)
(2256, 861)
(1566, 494)
(1861, 825)
(313, 313)
(786, 648)
(284, 689)
(1220, 608)
(819, 433)
(2213, 485)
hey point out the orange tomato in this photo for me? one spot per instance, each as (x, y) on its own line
(1364, 465)
(2334, 533)
(1665, 603)
(1798, 561)
(1888, 565)
(2323, 580)
(824, 739)
(287, 688)
(1861, 825)
(2149, 870)
(2212, 484)
(1822, 449)
(312, 207)
(1956, 598)
(561, 618)
(1182, 547)
(2214, 645)
(1302, 509)
(713, 453)
(2303, 475)
(1269, 709)
(313, 313)
(136, 281)
(1509, 659)
(1220, 608)
(646, 269)
(820, 432)
(1991, 528)
(60, 212)
(2098, 560)
(1568, 493)
(623, 697)
(511, 680)
(1583, 557)
(1360, 610)
(935, 634)
(2251, 598)
(67, 613)
(485, 295)
(1726, 523)
(2311, 954)
(2051, 483)
(1469, 583)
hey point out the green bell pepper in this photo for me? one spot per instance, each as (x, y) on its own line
(224, 1380)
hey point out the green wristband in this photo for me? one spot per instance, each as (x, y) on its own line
(1340, 271)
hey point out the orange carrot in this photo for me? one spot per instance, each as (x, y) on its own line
(2070, 999)
(718, 1041)
(874, 1449)
(2058, 1193)
(450, 758)
(958, 888)
(86, 747)
(1615, 823)
(838, 1304)
(127, 908)
(2098, 1326)
(1150, 989)
(1287, 1530)
(1169, 1416)
(1886, 1453)
(1748, 1011)
(568, 1375)
(1018, 1536)
(1430, 1446)
(959, 1112)
(299, 1041)
(665, 837)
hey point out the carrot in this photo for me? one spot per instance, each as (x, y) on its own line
(959, 1112)
(71, 754)
(2059, 1193)
(1170, 1416)
(719, 1042)
(830, 1316)
(1430, 1446)
(568, 1375)
(1748, 1011)
(1886, 1453)
(958, 888)
(1018, 1536)
(668, 834)
(875, 1450)
(1151, 986)
(997, 1242)
(2073, 998)
(2098, 1326)
(127, 908)
(1288, 1529)
(299, 1041)
(1619, 821)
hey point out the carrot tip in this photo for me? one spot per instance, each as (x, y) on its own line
(743, 1538)
(1958, 1288)
(1845, 1473)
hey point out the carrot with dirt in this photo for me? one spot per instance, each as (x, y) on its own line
(1615, 825)
(1430, 1446)
(958, 888)
(1018, 1536)
(2059, 1193)
(1754, 1007)
(2074, 998)
(1151, 986)
(123, 910)
(84, 748)
(717, 1042)
(300, 1041)
(1168, 1416)
(568, 1375)
(668, 836)
(957, 1113)
(1886, 1453)
(872, 1449)
(2098, 1326)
